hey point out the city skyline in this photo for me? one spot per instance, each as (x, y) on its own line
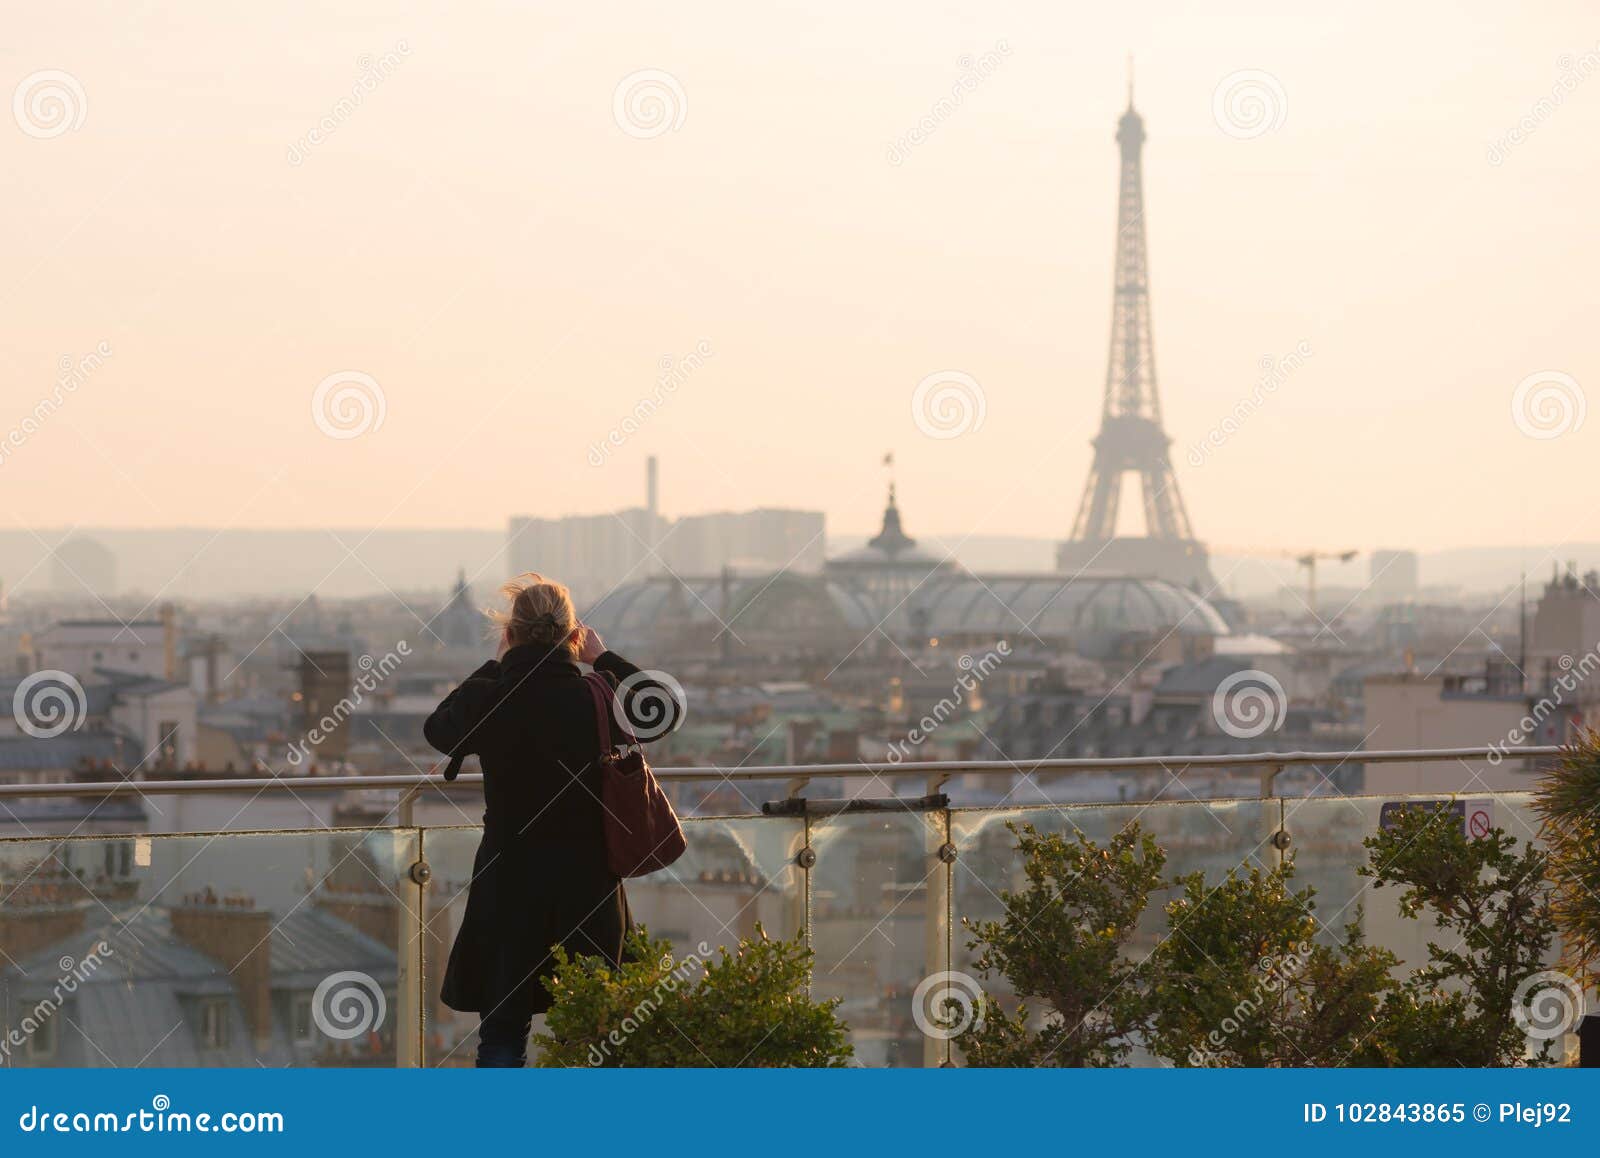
(1006, 535)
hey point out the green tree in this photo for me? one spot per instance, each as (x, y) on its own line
(1060, 948)
(746, 1007)
(1492, 905)
(1241, 980)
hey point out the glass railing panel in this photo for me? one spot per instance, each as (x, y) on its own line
(878, 901)
(265, 949)
(737, 873)
(449, 1038)
(1326, 835)
(1208, 836)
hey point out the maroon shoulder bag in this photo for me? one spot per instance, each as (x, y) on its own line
(642, 831)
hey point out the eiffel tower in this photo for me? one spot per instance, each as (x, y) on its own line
(1131, 438)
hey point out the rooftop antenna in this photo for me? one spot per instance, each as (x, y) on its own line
(1130, 80)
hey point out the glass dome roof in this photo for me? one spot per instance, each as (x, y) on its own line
(1065, 606)
(639, 611)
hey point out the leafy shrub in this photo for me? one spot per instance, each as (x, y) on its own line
(1240, 979)
(1061, 944)
(1493, 905)
(747, 1007)
(1247, 975)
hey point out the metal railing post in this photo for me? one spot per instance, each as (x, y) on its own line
(405, 811)
(1269, 778)
(1269, 784)
(804, 859)
(410, 975)
(941, 855)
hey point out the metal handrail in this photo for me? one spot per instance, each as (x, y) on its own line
(1269, 763)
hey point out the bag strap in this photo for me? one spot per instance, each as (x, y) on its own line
(604, 692)
(600, 693)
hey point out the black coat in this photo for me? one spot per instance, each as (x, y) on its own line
(540, 877)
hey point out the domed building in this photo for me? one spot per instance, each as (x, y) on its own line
(1092, 615)
(894, 576)
(773, 615)
(891, 567)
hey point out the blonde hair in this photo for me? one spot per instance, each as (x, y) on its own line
(538, 611)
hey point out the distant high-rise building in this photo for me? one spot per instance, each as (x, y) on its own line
(589, 553)
(594, 554)
(759, 540)
(1393, 576)
(1132, 439)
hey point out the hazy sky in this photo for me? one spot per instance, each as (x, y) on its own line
(484, 237)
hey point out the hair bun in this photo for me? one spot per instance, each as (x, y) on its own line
(540, 612)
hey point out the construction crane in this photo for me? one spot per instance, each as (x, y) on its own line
(1309, 562)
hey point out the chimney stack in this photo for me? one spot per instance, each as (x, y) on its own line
(25, 931)
(238, 936)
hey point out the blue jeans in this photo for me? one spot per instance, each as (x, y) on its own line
(503, 1039)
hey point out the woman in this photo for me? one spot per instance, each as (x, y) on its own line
(540, 876)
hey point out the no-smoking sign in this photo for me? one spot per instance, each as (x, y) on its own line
(1477, 813)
